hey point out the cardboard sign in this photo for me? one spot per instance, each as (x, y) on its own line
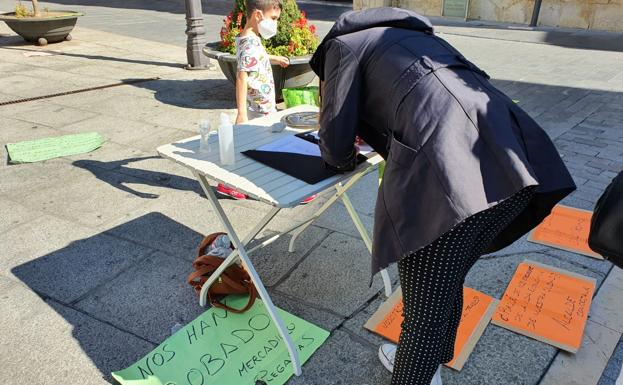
(566, 228)
(223, 348)
(477, 311)
(547, 304)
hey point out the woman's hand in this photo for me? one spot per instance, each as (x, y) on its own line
(280, 60)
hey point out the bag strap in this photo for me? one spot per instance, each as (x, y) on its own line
(252, 297)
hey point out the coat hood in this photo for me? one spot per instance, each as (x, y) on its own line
(355, 21)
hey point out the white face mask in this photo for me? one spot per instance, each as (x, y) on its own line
(267, 28)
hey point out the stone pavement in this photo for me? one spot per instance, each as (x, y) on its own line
(96, 247)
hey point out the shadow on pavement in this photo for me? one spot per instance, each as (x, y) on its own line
(194, 93)
(132, 277)
(101, 170)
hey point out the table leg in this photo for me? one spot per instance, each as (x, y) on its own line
(325, 207)
(387, 283)
(246, 262)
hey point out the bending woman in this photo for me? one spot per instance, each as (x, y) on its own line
(468, 172)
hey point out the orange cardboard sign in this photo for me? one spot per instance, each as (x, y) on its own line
(477, 311)
(566, 228)
(547, 304)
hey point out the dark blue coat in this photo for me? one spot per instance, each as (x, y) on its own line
(454, 144)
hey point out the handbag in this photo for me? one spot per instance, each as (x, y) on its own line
(233, 280)
(606, 233)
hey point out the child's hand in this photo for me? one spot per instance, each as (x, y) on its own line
(241, 118)
(282, 61)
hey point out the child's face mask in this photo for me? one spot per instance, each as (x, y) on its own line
(267, 27)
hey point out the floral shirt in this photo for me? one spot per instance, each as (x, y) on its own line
(252, 58)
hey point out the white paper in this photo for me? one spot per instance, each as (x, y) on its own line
(364, 149)
(292, 144)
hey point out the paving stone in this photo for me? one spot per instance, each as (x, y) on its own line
(21, 180)
(492, 275)
(585, 366)
(14, 130)
(306, 311)
(598, 265)
(95, 199)
(606, 307)
(502, 357)
(274, 261)
(176, 223)
(54, 116)
(110, 156)
(150, 166)
(613, 369)
(340, 361)
(147, 299)
(64, 261)
(14, 214)
(334, 276)
(38, 332)
(119, 129)
(355, 324)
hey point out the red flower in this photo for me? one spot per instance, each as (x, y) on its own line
(312, 29)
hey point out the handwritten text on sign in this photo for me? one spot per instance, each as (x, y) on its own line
(548, 304)
(477, 310)
(566, 228)
(223, 348)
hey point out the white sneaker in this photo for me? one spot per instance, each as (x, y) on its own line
(387, 353)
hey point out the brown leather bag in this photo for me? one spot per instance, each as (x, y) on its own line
(234, 280)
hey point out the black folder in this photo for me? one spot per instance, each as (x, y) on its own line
(308, 168)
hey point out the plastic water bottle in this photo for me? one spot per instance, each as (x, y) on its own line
(204, 131)
(226, 140)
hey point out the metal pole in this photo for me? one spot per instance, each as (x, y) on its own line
(535, 13)
(196, 36)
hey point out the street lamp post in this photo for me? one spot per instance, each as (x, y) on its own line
(535, 13)
(196, 36)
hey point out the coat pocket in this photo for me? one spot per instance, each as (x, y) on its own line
(401, 154)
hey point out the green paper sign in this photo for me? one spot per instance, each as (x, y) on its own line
(224, 348)
(43, 149)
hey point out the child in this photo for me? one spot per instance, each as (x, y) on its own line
(255, 85)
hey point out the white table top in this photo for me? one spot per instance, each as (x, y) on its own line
(247, 175)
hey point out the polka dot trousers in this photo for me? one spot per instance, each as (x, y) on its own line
(432, 286)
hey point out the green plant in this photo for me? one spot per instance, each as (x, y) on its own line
(22, 11)
(295, 36)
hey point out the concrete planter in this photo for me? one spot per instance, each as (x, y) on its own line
(44, 29)
(297, 74)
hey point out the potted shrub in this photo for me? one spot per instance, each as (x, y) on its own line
(295, 39)
(41, 26)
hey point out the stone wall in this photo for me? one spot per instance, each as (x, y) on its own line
(588, 14)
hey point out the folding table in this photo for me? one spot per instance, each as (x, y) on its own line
(270, 186)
